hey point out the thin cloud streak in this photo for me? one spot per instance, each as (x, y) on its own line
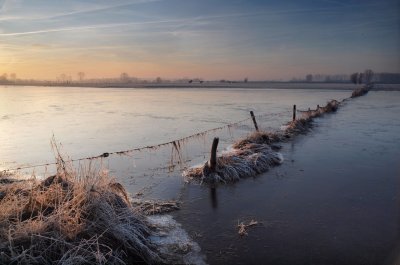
(89, 27)
(98, 9)
(92, 10)
(179, 37)
(187, 21)
(77, 12)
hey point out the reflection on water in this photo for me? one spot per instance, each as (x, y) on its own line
(213, 196)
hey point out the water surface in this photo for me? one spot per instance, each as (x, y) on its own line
(91, 121)
(335, 200)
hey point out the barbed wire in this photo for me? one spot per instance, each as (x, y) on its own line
(150, 147)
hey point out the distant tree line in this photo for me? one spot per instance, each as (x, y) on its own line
(360, 78)
(321, 78)
(387, 78)
(368, 76)
(8, 78)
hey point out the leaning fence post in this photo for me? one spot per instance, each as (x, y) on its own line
(213, 157)
(254, 120)
(294, 112)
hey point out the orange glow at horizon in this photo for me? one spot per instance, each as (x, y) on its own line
(50, 69)
(260, 40)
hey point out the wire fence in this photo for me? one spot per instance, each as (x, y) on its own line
(175, 144)
(155, 170)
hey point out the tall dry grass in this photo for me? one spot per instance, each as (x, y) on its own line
(74, 217)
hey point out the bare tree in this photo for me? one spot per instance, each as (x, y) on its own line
(360, 78)
(368, 75)
(354, 78)
(328, 79)
(4, 77)
(124, 78)
(13, 77)
(81, 76)
(62, 78)
(309, 78)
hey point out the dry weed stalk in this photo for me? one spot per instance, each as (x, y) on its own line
(243, 227)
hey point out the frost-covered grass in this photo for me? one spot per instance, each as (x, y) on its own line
(251, 159)
(358, 92)
(256, 153)
(73, 217)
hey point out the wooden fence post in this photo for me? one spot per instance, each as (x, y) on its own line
(254, 120)
(213, 157)
(294, 112)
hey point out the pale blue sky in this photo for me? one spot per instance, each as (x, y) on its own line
(198, 38)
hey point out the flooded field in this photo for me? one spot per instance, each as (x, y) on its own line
(91, 121)
(334, 200)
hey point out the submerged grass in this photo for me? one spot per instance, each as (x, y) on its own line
(72, 217)
(156, 207)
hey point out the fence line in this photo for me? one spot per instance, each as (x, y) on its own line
(174, 143)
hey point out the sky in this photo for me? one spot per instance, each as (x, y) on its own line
(210, 39)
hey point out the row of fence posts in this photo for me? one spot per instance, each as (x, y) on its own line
(212, 163)
(213, 157)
